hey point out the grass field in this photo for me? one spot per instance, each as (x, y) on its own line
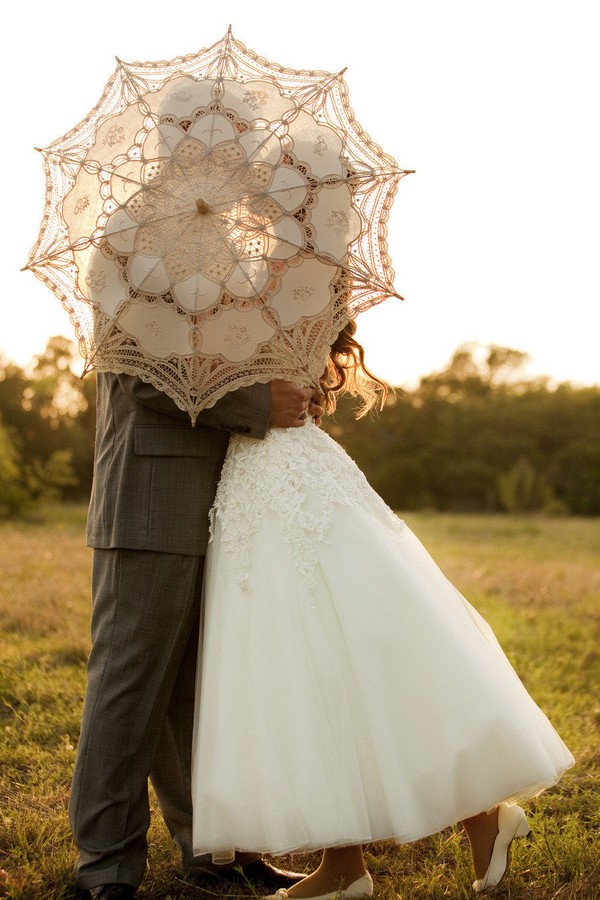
(537, 581)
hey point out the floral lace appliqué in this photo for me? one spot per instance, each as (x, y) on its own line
(300, 474)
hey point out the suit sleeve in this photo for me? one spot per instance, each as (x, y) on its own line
(247, 410)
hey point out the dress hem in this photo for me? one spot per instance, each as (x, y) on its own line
(404, 838)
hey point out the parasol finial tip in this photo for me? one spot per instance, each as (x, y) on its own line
(202, 206)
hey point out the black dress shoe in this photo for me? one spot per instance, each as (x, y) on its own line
(113, 892)
(262, 873)
(259, 873)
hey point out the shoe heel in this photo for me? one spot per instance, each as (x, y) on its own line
(523, 830)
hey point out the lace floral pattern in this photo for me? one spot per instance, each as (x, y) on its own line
(300, 475)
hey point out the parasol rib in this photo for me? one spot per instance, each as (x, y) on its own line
(292, 114)
(84, 242)
(327, 181)
(324, 258)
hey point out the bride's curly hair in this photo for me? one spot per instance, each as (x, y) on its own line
(346, 373)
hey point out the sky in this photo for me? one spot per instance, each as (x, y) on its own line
(494, 240)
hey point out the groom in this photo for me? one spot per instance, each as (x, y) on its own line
(154, 482)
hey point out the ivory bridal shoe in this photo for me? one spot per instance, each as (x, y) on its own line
(362, 887)
(511, 824)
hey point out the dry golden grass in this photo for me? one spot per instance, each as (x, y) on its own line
(536, 581)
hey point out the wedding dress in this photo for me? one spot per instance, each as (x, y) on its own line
(347, 692)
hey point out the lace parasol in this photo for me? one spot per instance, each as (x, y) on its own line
(215, 221)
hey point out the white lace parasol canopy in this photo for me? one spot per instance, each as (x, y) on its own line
(215, 221)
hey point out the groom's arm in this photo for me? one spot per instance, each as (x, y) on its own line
(250, 410)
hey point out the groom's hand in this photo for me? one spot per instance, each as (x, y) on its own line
(291, 405)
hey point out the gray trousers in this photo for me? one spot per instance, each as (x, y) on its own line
(138, 712)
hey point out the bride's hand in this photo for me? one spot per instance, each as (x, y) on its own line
(316, 406)
(291, 405)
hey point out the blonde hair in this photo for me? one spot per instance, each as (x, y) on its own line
(346, 373)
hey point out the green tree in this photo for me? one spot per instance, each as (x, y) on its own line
(48, 413)
(13, 498)
(521, 489)
(575, 476)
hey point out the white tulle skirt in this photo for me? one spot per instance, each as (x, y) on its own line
(347, 692)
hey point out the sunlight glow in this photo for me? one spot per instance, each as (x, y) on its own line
(494, 239)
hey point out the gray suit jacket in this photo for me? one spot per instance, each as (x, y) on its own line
(154, 475)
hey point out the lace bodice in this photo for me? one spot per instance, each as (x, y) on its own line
(299, 474)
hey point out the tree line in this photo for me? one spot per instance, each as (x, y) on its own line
(475, 437)
(47, 425)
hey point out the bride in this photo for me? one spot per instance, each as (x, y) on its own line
(347, 692)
